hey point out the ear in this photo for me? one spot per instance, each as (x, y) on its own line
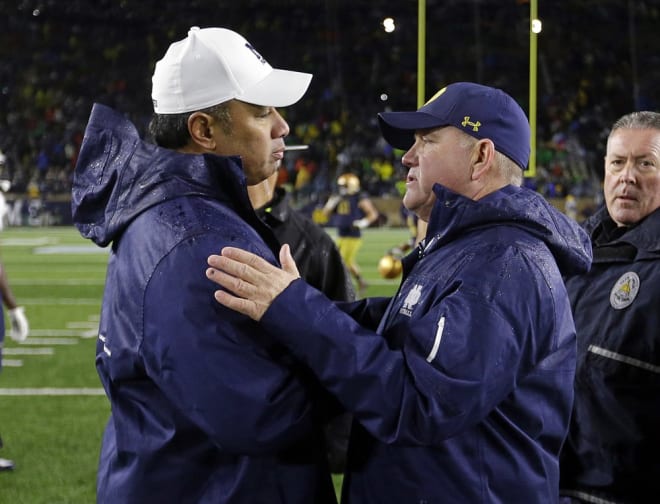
(200, 127)
(483, 154)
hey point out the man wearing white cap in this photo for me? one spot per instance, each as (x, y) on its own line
(460, 385)
(202, 410)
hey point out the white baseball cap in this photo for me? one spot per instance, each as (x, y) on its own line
(214, 65)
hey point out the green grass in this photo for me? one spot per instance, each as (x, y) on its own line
(54, 439)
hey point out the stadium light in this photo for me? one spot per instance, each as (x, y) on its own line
(388, 25)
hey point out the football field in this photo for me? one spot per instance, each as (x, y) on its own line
(52, 407)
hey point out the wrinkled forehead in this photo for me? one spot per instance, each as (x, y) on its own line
(636, 142)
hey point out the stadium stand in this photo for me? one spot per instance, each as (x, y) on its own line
(60, 57)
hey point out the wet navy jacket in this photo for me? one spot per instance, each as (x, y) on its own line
(204, 408)
(463, 387)
(611, 452)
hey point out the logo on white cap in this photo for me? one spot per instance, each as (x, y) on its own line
(259, 56)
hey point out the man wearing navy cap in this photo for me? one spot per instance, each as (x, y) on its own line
(461, 385)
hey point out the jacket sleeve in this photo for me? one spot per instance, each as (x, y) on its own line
(368, 312)
(409, 392)
(246, 392)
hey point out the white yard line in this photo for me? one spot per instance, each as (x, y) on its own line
(51, 391)
(71, 249)
(11, 362)
(50, 341)
(54, 332)
(82, 325)
(69, 281)
(60, 301)
(28, 351)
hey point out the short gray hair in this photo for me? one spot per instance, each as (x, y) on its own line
(509, 169)
(638, 120)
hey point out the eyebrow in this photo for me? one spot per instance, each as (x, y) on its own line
(258, 108)
(423, 132)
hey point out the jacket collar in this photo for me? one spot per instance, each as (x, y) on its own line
(644, 236)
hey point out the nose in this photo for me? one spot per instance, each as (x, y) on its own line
(280, 126)
(628, 173)
(409, 158)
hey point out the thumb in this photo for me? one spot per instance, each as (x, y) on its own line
(287, 261)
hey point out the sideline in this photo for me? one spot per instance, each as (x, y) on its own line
(52, 392)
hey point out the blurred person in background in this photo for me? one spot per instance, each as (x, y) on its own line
(461, 385)
(5, 185)
(321, 265)
(611, 453)
(19, 329)
(203, 411)
(353, 211)
(314, 250)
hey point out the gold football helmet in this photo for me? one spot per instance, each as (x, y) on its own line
(389, 266)
(348, 183)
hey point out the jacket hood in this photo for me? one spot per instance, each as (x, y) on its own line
(454, 215)
(118, 176)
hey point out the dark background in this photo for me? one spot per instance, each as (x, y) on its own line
(598, 59)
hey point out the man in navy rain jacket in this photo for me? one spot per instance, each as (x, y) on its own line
(611, 453)
(461, 384)
(205, 409)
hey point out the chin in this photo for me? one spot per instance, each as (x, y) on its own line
(626, 218)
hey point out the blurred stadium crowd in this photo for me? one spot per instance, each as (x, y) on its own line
(598, 59)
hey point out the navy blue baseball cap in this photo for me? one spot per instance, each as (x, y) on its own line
(480, 111)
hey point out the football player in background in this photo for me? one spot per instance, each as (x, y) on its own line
(353, 211)
(5, 185)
